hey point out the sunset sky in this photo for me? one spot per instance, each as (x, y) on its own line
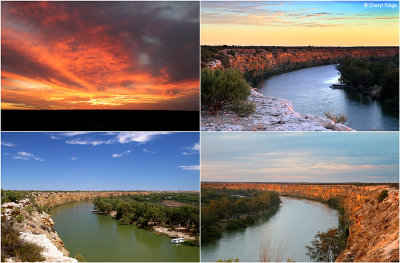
(100, 55)
(100, 161)
(300, 157)
(300, 23)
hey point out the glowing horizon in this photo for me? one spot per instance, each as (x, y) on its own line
(100, 55)
(299, 23)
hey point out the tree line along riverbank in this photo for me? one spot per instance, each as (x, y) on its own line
(166, 213)
(230, 209)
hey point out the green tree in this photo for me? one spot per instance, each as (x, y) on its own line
(326, 246)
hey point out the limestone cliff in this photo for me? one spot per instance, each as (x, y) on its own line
(36, 228)
(268, 61)
(374, 230)
(53, 199)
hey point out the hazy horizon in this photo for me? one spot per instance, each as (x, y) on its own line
(300, 157)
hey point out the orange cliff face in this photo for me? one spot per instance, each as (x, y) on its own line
(276, 60)
(374, 229)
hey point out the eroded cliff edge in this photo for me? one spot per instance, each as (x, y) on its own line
(374, 229)
(271, 114)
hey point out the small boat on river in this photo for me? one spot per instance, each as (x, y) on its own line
(94, 211)
(177, 240)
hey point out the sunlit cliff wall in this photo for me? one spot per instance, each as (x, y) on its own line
(262, 62)
(53, 199)
(374, 230)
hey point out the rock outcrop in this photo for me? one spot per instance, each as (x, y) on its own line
(374, 229)
(271, 114)
(37, 228)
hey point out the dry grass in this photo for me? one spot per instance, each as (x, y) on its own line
(272, 252)
(336, 118)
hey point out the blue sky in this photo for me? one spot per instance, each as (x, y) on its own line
(100, 161)
(300, 157)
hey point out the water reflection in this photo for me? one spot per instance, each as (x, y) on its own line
(294, 224)
(310, 93)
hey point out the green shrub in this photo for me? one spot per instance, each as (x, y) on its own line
(382, 195)
(20, 218)
(244, 108)
(220, 88)
(29, 208)
(80, 258)
(13, 246)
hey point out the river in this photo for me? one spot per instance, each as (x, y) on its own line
(100, 238)
(309, 91)
(294, 226)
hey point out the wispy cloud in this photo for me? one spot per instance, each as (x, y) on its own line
(27, 156)
(116, 155)
(148, 151)
(87, 138)
(141, 137)
(86, 142)
(192, 149)
(73, 158)
(8, 144)
(190, 167)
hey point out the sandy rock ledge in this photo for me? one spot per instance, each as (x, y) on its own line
(272, 114)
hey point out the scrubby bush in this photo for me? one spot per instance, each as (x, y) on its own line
(220, 88)
(382, 195)
(13, 246)
(244, 108)
(20, 218)
(336, 118)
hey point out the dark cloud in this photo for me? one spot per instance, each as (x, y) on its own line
(101, 45)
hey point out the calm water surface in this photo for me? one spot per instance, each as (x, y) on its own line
(295, 225)
(309, 91)
(99, 238)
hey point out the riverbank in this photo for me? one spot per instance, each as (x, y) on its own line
(178, 232)
(271, 114)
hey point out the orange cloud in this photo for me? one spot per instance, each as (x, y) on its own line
(82, 55)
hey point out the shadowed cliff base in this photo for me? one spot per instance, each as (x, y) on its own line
(99, 120)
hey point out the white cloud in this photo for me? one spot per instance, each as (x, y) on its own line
(141, 137)
(147, 151)
(116, 155)
(59, 135)
(87, 142)
(73, 158)
(192, 149)
(9, 144)
(190, 167)
(27, 156)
